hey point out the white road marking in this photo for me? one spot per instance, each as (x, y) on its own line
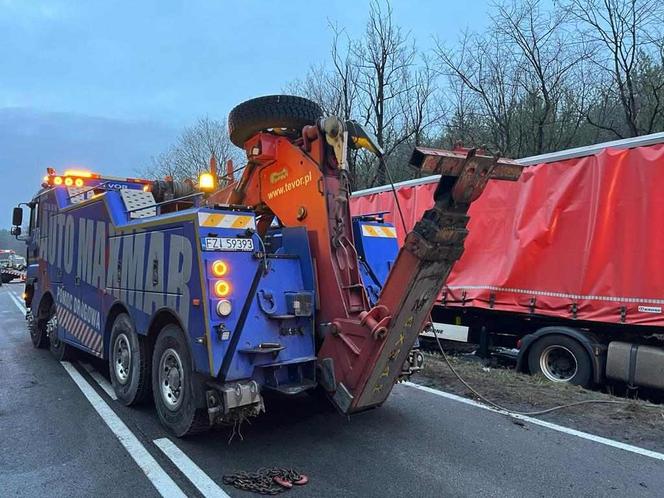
(573, 432)
(99, 379)
(153, 471)
(17, 302)
(193, 472)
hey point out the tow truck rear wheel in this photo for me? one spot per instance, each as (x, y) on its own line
(60, 349)
(129, 362)
(177, 393)
(284, 112)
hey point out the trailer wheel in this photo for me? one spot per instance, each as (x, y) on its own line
(273, 111)
(128, 362)
(174, 385)
(60, 349)
(560, 359)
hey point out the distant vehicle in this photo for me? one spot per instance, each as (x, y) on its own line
(12, 266)
(565, 264)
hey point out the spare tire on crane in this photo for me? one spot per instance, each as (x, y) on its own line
(286, 112)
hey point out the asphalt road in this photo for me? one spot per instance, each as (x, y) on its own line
(54, 442)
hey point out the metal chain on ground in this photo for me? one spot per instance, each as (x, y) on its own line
(538, 412)
(263, 480)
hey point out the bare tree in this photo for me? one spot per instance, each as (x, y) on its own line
(385, 57)
(625, 32)
(486, 68)
(380, 80)
(190, 155)
(538, 39)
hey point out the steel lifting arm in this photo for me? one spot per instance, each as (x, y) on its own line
(304, 182)
(361, 358)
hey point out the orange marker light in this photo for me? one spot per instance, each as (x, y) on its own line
(206, 182)
(78, 172)
(57, 180)
(69, 181)
(78, 182)
(222, 288)
(219, 268)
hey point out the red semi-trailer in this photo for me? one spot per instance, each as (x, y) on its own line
(566, 263)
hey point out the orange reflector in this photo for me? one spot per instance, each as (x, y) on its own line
(222, 288)
(219, 268)
(146, 188)
(78, 182)
(57, 180)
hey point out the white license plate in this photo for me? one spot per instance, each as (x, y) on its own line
(227, 244)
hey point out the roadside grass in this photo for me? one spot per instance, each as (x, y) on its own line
(629, 420)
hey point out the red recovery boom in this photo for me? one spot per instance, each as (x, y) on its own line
(304, 182)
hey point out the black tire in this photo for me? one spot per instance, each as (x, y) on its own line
(183, 413)
(129, 362)
(273, 111)
(38, 335)
(560, 358)
(60, 350)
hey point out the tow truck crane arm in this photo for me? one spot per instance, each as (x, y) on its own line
(303, 180)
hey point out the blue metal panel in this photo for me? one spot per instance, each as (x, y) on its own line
(376, 252)
(258, 297)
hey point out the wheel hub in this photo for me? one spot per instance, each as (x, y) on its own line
(122, 363)
(558, 364)
(171, 376)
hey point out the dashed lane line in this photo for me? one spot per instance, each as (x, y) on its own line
(152, 470)
(17, 302)
(535, 421)
(193, 472)
(162, 482)
(100, 380)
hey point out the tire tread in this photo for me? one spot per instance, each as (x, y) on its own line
(272, 111)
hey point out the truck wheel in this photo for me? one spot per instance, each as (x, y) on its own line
(38, 332)
(174, 385)
(61, 350)
(274, 111)
(560, 359)
(128, 362)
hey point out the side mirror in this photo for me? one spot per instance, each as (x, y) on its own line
(361, 138)
(16, 231)
(17, 216)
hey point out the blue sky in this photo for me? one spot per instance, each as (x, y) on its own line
(106, 84)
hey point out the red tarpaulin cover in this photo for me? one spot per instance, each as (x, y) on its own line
(587, 232)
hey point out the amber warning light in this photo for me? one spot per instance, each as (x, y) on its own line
(222, 288)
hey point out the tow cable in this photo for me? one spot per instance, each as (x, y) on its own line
(266, 481)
